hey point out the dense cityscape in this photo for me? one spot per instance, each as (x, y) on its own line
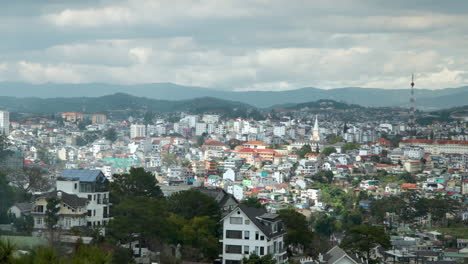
(309, 184)
(234, 132)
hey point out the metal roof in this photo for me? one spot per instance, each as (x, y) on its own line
(82, 175)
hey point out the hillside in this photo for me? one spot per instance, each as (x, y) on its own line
(118, 101)
(425, 99)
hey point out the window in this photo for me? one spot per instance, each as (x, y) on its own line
(247, 221)
(90, 197)
(229, 261)
(234, 249)
(256, 250)
(262, 237)
(256, 235)
(234, 234)
(94, 212)
(89, 213)
(40, 209)
(76, 186)
(275, 247)
(38, 221)
(235, 220)
(262, 251)
(246, 250)
(246, 234)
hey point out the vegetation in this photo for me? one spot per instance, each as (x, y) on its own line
(328, 150)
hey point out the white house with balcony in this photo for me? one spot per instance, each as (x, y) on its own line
(92, 185)
(248, 230)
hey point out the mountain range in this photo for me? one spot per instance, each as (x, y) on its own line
(425, 99)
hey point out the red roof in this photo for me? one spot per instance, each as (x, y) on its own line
(409, 186)
(212, 142)
(383, 141)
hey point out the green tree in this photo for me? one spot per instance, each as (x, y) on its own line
(304, 150)
(255, 259)
(111, 134)
(91, 254)
(52, 217)
(362, 239)
(24, 224)
(169, 160)
(324, 176)
(333, 139)
(46, 255)
(136, 183)
(192, 203)
(325, 225)
(298, 233)
(6, 251)
(6, 198)
(328, 150)
(350, 146)
(148, 118)
(252, 201)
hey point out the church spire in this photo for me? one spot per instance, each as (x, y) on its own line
(316, 131)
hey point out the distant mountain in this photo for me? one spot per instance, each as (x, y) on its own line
(425, 99)
(321, 104)
(118, 101)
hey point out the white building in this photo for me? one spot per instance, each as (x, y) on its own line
(200, 128)
(249, 231)
(90, 184)
(137, 130)
(4, 123)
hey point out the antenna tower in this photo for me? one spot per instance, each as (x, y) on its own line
(412, 119)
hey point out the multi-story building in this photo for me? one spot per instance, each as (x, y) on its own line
(72, 116)
(4, 123)
(92, 185)
(438, 146)
(137, 130)
(248, 230)
(72, 212)
(99, 119)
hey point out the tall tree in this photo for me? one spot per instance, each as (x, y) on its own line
(252, 201)
(136, 183)
(52, 217)
(298, 232)
(362, 239)
(328, 150)
(111, 134)
(192, 203)
(255, 259)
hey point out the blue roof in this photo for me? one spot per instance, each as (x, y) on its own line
(82, 175)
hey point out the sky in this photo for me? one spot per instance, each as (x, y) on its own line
(237, 44)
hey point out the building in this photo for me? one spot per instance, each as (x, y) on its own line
(248, 230)
(438, 146)
(4, 123)
(336, 255)
(98, 119)
(72, 116)
(137, 131)
(316, 131)
(72, 212)
(92, 185)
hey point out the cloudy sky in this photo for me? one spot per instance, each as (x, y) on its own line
(237, 44)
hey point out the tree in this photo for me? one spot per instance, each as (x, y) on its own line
(6, 251)
(333, 139)
(140, 218)
(252, 201)
(24, 224)
(350, 146)
(325, 225)
(6, 198)
(328, 150)
(30, 179)
(362, 239)
(298, 233)
(136, 183)
(192, 203)
(148, 118)
(90, 254)
(255, 259)
(304, 150)
(52, 217)
(111, 134)
(324, 176)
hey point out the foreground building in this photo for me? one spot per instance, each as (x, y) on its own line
(248, 230)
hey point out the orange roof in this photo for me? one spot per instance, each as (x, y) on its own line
(409, 186)
(383, 141)
(247, 150)
(311, 155)
(212, 142)
(255, 143)
(265, 150)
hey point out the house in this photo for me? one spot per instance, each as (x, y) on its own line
(336, 255)
(72, 212)
(248, 230)
(92, 185)
(226, 201)
(20, 209)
